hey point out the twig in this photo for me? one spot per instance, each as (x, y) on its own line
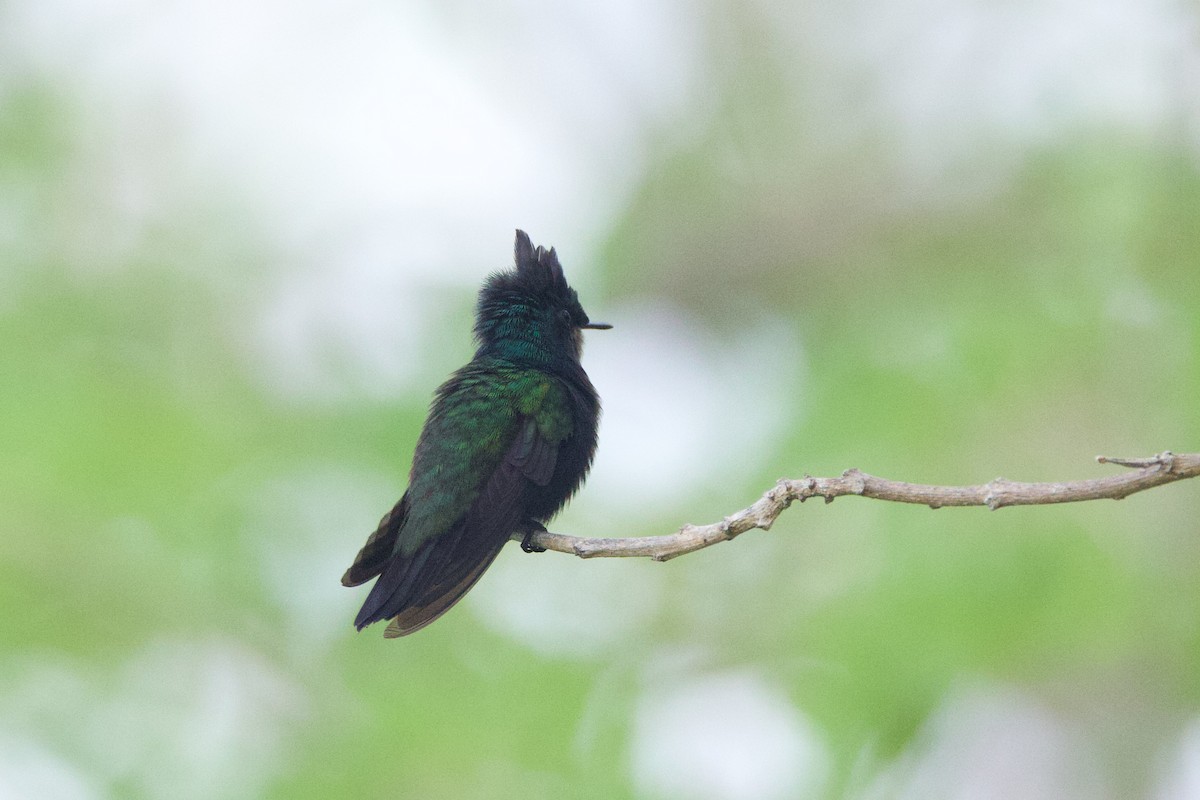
(1147, 473)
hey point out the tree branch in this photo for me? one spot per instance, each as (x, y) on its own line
(1147, 473)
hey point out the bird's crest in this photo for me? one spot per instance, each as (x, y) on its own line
(537, 268)
(535, 281)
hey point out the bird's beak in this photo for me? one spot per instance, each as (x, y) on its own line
(597, 326)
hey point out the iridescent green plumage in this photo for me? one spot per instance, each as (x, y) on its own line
(509, 439)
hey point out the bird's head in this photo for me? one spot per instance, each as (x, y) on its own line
(529, 313)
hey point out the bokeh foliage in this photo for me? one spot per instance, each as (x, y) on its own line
(1045, 314)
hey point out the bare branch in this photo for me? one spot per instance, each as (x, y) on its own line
(1147, 473)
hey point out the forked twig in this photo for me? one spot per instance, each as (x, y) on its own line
(1166, 467)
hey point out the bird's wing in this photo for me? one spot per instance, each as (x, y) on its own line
(533, 454)
(421, 581)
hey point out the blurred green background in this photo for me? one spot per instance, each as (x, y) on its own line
(938, 241)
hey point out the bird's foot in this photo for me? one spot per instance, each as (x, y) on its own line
(532, 527)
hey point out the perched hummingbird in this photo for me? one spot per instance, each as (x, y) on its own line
(508, 440)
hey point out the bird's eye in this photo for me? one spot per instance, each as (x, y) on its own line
(565, 316)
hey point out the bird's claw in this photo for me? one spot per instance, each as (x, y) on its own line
(527, 541)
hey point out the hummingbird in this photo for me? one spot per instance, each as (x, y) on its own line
(509, 439)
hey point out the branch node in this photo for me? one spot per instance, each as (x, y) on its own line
(804, 488)
(994, 499)
(858, 480)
